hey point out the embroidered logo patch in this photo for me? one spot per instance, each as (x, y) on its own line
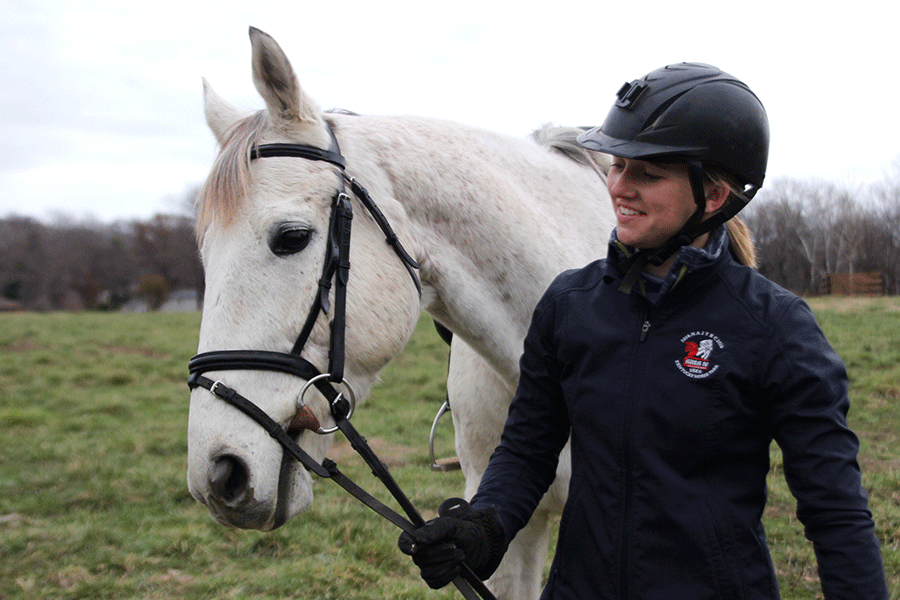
(699, 360)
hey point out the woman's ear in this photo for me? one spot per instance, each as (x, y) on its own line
(716, 196)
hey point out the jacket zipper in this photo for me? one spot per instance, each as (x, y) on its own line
(624, 559)
(644, 329)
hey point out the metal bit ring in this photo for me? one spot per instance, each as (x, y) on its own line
(351, 398)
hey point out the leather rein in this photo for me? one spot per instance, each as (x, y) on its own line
(336, 270)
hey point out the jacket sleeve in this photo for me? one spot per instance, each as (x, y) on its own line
(523, 465)
(807, 385)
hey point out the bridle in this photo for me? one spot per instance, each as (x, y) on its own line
(336, 269)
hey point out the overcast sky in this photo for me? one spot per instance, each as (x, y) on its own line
(101, 101)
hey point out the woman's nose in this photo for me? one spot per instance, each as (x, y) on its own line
(620, 185)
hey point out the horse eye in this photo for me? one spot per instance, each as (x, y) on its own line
(289, 240)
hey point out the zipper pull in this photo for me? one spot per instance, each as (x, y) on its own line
(644, 329)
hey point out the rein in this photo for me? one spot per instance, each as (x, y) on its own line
(336, 269)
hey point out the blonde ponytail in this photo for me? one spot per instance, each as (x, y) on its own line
(741, 239)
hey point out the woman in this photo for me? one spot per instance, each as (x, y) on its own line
(672, 365)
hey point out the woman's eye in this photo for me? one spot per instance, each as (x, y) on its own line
(290, 240)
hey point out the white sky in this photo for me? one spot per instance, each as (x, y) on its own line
(101, 100)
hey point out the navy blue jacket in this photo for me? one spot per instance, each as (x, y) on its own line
(671, 409)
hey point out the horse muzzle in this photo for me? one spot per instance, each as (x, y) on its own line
(241, 496)
(242, 475)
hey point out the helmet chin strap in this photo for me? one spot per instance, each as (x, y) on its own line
(693, 228)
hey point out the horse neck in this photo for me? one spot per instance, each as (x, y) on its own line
(492, 220)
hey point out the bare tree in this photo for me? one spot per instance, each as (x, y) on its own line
(886, 215)
(165, 246)
(806, 231)
(787, 246)
(23, 260)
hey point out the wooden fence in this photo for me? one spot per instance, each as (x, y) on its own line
(855, 284)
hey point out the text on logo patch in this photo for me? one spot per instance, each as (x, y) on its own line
(699, 359)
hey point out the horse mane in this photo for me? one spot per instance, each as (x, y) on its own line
(226, 187)
(227, 184)
(564, 140)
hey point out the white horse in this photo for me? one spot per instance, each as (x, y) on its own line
(490, 219)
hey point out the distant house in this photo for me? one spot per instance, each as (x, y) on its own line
(184, 300)
(181, 301)
(7, 305)
(136, 305)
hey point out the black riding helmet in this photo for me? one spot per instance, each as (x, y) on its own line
(695, 114)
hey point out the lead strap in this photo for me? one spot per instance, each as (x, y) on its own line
(467, 583)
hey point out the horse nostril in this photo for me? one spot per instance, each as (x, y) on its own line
(229, 478)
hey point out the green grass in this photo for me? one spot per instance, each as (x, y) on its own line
(94, 504)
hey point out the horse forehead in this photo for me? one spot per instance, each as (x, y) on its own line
(278, 192)
(289, 178)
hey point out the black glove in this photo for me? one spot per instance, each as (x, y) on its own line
(459, 535)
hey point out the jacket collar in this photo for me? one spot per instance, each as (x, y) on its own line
(689, 258)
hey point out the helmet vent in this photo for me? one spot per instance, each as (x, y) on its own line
(660, 111)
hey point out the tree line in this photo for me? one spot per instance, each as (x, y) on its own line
(804, 232)
(89, 265)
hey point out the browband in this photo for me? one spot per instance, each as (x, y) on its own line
(295, 151)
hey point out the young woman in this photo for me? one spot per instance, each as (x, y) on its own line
(672, 365)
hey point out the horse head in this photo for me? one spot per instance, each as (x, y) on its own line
(265, 223)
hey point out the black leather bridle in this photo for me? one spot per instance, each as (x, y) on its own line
(336, 269)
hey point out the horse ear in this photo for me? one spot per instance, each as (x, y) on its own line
(221, 115)
(277, 84)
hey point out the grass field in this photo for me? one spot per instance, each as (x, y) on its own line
(94, 504)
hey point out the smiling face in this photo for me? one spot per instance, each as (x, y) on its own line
(652, 200)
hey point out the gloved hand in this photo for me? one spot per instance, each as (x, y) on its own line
(459, 535)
